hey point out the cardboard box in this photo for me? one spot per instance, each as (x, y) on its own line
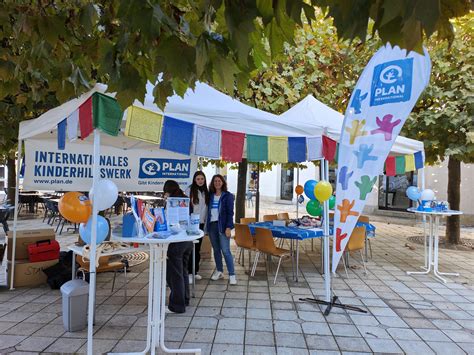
(29, 274)
(24, 238)
(206, 249)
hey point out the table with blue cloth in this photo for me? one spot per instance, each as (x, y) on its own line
(296, 234)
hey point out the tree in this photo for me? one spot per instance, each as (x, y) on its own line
(443, 117)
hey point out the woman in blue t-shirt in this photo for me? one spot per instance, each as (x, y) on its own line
(220, 222)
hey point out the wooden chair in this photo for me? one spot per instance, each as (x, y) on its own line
(105, 265)
(248, 220)
(269, 217)
(365, 219)
(356, 242)
(266, 245)
(284, 216)
(244, 241)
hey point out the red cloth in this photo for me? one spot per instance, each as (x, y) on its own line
(232, 146)
(390, 166)
(85, 118)
(329, 148)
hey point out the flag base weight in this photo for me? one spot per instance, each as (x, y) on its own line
(332, 304)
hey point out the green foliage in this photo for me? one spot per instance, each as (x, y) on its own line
(443, 117)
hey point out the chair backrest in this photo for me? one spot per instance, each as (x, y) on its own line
(363, 219)
(284, 216)
(243, 237)
(264, 240)
(248, 220)
(357, 240)
(269, 217)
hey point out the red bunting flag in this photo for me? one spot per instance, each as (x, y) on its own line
(232, 146)
(390, 166)
(85, 118)
(329, 148)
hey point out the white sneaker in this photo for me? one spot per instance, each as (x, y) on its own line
(190, 279)
(232, 280)
(198, 277)
(217, 275)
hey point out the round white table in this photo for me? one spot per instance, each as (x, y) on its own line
(433, 250)
(155, 334)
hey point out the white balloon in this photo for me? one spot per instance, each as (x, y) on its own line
(107, 193)
(427, 195)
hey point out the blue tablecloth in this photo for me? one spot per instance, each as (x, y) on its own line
(300, 233)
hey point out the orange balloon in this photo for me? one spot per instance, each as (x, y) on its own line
(75, 207)
(299, 189)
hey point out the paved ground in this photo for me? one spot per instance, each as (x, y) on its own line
(406, 314)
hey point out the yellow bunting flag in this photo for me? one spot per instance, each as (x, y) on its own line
(410, 162)
(143, 124)
(278, 149)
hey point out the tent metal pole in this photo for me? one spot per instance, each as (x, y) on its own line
(93, 250)
(15, 218)
(327, 273)
(297, 183)
(422, 171)
(257, 197)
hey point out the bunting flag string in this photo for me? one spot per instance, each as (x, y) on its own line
(143, 125)
(177, 135)
(257, 148)
(85, 118)
(208, 142)
(278, 149)
(232, 146)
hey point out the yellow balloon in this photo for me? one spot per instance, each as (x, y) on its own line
(323, 191)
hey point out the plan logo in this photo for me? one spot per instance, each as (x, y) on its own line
(392, 82)
(152, 168)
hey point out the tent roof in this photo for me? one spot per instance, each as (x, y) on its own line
(311, 114)
(209, 107)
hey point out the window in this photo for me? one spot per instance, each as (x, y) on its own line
(392, 191)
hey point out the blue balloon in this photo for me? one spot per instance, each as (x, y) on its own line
(309, 189)
(413, 193)
(85, 230)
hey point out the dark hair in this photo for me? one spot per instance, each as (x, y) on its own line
(172, 188)
(193, 191)
(212, 189)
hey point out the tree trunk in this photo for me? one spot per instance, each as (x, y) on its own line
(453, 230)
(241, 191)
(11, 182)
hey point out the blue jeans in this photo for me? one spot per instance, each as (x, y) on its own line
(221, 246)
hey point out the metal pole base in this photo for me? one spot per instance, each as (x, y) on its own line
(332, 304)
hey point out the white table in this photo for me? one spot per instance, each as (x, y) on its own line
(155, 334)
(433, 243)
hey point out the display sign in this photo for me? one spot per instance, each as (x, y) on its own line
(381, 101)
(47, 168)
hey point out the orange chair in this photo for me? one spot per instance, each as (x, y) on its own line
(356, 242)
(284, 216)
(244, 241)
(248, 220)
(270, 217)
(266, 245)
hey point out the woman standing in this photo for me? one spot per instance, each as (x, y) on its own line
(220, 218)
(177, 262)
(199, 199)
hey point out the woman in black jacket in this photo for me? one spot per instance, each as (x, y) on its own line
(177, 263)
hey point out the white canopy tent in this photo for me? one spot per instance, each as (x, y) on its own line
(203, 106)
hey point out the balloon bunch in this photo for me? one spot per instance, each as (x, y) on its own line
(77, 208)
(317, 192)
(415, 194)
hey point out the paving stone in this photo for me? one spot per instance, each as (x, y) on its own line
(316, 328)
(414, 347)
(205, 348)
(234, 312)
(262, 313)
(371, 332)
(284, 326)
(259, 338)
(8, 341)
(204, 322)
(345, 330)
(200, 335)
(441, 347)
(129, 346)
(171, 321)
(227, 349)
(294, 341)
(364, 320)
(65, 345)
(383, 346)
(224, 336)
(444, 324)
(431, 335)
(403, 334)
(111, 332)
(231, 324)
(467, 347)
(35, 343)
(291, 351)
(259, 325)
(321, 342)
(352, 344)
(100, 346)
(260, 350)
(285, 315)
(23, 328)
(460, 336)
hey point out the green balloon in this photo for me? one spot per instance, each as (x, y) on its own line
(332, 202)
(314, 208)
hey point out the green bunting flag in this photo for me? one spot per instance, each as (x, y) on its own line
(107, 114)
(257, 148)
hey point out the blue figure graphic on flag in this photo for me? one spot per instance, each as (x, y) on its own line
(363, 155)
(356, 103)
(344, 177)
